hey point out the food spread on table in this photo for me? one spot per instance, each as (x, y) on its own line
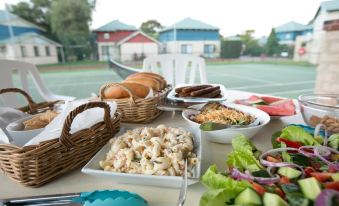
(219, 113)
(299, 170)
(199, 91)
(271, 105)
(157, 150)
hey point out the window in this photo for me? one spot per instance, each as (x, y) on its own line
(23, 51)
(288, 36)
(3, 49)
(36, 51)
(47, 51)
(209, 48)
(106, 35)
(105, 50)
(186, 49)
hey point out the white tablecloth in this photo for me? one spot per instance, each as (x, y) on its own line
(78, 182)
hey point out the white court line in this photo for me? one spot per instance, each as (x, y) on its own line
(273, 85)
(242, 77)
(292, 91)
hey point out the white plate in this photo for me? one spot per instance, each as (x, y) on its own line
(172, 93)
(93, 168)
(226, 135)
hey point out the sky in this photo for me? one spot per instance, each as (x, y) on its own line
(231, 16)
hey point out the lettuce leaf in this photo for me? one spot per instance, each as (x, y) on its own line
(333, 141)
(298, 134)
(244, 155)
(221, 188)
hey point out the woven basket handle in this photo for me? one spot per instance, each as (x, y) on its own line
(132, 96)
(31, 103)
(65, 138)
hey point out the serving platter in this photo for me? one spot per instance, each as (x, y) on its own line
(92, 168)
(172, 95)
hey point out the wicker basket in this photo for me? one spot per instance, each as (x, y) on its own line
(135, 109)
(39, 164)
(32, 107)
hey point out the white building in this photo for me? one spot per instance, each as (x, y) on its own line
(22, 40)
(328, 10)
(190, 36)
(124, 42)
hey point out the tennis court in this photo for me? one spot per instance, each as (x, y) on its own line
(280, 80)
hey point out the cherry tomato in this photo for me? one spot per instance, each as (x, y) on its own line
(258, 188)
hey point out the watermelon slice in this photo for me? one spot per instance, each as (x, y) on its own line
(279, 108)
(270, 100)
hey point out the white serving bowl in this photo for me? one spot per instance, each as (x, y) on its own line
(18, 134)
(226, 135)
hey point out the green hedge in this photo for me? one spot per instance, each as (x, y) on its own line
(230, 49)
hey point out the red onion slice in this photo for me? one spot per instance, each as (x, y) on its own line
(318, 150)
(235, 173)
(276, 164)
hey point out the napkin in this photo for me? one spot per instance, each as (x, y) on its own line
(83, 120)
(8, 115)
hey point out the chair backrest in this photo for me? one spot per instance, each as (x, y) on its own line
(177, 68)
(23, 69)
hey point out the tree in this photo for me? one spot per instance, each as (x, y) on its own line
(35, 11)
(251, 45)
(230, 48)
(70, 23)
(151, 27)
(272, 45)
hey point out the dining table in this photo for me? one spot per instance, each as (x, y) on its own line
(214, 153)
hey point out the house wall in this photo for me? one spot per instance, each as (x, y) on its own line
(129, 49)
(13, 52)
(197, 47)
(318, 33)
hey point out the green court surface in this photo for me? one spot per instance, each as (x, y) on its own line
(280, 80)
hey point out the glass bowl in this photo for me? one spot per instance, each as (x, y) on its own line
(321, 109)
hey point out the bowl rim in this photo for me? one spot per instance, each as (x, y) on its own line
(230, 129)
(300, 99)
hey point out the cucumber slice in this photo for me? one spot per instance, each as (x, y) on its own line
(310, 187)
(335, 177)
(248, 197)
(271, 199)
(289, 172)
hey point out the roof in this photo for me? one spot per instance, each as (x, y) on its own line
(116, 25)
(30, 38)
(189, 23)
(292, 26)
(328, 6)
(7, 17)
(135, 34)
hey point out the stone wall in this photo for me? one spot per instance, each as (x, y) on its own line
(327, 80)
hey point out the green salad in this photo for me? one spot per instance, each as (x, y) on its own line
(300, 170)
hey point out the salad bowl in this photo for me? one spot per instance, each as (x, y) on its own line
(226, 135)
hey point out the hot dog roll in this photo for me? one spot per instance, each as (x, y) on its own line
(179, 89)
(212, 94)
(194, 88)
(204, 91)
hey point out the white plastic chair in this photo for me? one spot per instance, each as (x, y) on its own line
(177, 67)
(24, 69)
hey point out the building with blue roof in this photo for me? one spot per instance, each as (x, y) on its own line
(24, 41)
(287, 33)
(190, 36)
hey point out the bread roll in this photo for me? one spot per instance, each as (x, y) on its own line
(146, 73)
(157, 77)
(116, 92)
(155, 84)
